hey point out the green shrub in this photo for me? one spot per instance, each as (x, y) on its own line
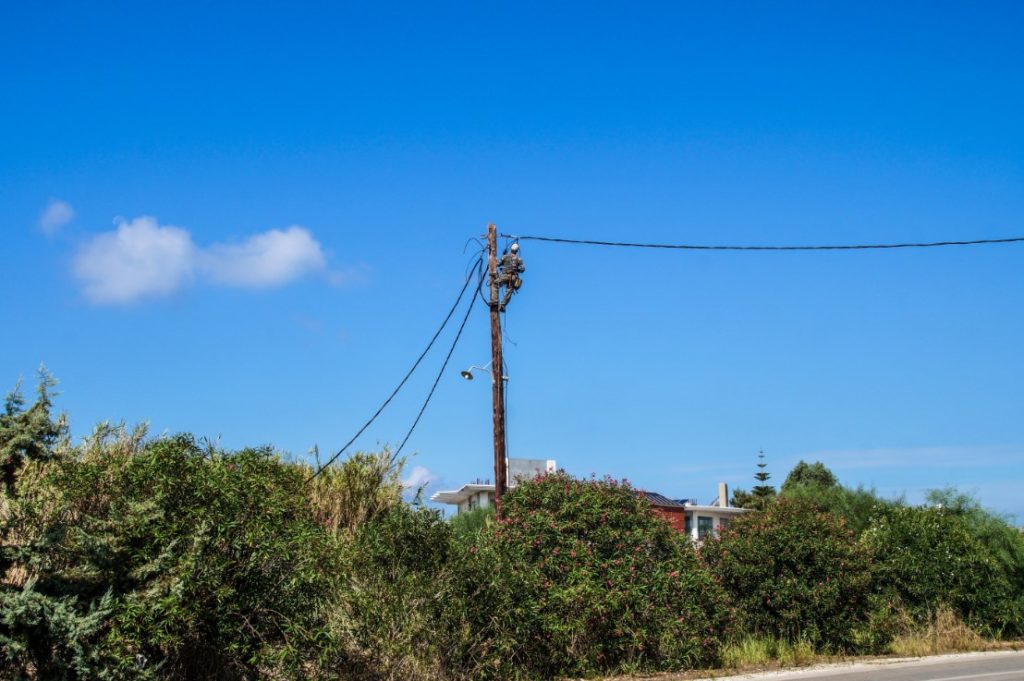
(128, 558)
(932, 557)
(794, 573)
(51, 638)
(856, 506)
(42, 634)
(1002, 542)
(389, 613)
(465, 524)
(581, 577)
(212, 562)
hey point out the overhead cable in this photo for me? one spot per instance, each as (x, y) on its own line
(444, 366)
(826, 247)
(469, 278)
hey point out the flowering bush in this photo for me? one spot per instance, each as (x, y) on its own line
(583, 577)
(794, 573)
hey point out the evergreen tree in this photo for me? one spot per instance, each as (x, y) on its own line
(814, 474)
(762, 493)
(741, 498)
(27, 434)
(44, 634)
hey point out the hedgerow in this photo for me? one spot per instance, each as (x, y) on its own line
(129, 557)
(928, 558)
(596, 583)
(794, 572)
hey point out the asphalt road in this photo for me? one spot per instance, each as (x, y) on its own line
(998, 666)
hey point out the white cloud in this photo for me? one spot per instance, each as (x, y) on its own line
(56, 215)
(137, 260)
(143, 259)
(272, 258)
(419, 477)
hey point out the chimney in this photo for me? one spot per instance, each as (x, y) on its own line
(723, 495)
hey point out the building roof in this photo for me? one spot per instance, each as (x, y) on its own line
(727, 510)
(661, 501)
(518, 469)
(461, 494)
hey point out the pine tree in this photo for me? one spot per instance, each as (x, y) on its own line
(762, 493)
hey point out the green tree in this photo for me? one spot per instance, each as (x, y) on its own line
(27, 435)
(741, 498)
(815, 474)
(856, 506)
(762, 494)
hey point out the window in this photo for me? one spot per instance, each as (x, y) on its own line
(689, 524)
(705, 526)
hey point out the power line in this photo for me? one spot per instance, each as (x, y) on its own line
(469, 278)
(444, 366)
(827, 247)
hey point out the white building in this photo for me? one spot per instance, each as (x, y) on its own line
(480, 494)
(699, 521)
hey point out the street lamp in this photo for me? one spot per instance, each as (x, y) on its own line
(468, 373)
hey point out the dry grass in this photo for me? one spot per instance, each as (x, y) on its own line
(945, 634)
(364, 486)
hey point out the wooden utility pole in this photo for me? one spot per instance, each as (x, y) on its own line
(497, 370)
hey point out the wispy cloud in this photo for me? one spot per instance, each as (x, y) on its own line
(945, 456)
(272, 258)
(419, 476)
(144, 259)
(56, 214)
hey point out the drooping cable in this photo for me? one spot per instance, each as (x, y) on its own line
(405, 379)
(444, 365)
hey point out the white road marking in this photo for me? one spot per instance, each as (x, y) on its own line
(1014, 672)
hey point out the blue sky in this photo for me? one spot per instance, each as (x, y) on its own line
(246, 220)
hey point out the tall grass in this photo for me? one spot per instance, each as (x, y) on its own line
(361, 488)
(761, 651)
(945, 633)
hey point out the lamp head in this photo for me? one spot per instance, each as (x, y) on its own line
(466, 374)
